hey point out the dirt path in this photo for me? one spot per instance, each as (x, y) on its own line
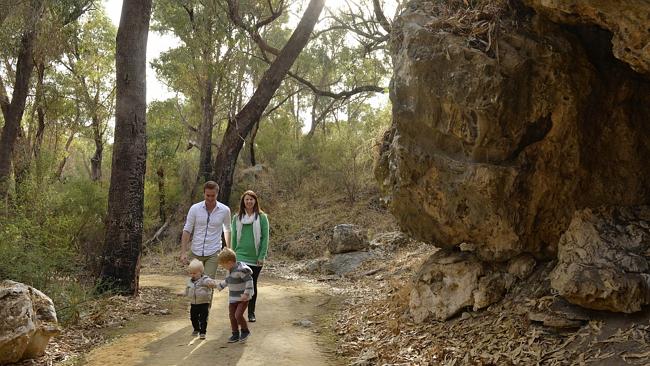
(166, 340)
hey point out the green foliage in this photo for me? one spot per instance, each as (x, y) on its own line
(54, 237)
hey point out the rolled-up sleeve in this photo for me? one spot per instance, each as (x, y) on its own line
(189, 221)
(226, 222)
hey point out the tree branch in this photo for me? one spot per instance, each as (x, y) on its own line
(380, 16)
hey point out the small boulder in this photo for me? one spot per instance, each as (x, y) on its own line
(450, 281)
(341, 264)
(603, 259)
(27, 322)
(522, 266)
(348, 238)
(390, 240)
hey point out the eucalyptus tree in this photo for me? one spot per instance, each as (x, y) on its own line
(124, 222)
(201, 66)
(27, 33)
(244, 121)
(89, 58)
(165, 142)
(27, 19)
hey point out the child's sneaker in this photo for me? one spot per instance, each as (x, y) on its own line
(195, 333)
(244, 335)
(202, 336)
(234, 337)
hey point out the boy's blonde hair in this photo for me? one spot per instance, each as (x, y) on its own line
(226, 255)
(196, 264)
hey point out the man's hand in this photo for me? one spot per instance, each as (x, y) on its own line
(244, 297)
(183, 259)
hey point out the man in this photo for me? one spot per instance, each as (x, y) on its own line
(205, 222)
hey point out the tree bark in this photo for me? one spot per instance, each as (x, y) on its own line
(251, 146)
(13, 111)
(40, 111)
(96, 160)
(205, 157)
(241, 125)
(161, 194)
(59, 170)
(123, 240)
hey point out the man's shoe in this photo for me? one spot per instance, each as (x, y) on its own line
(251, 318)
(202, 336)
(243, 336)
(195, 333)
(234, 338)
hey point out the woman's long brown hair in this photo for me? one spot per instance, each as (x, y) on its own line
(242, 207)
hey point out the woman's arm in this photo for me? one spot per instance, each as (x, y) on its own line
(264, 240)
(233, 233)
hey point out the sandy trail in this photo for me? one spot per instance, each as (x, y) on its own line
(166, 340)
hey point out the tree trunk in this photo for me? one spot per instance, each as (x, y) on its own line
(244, 121)
(96, 160)
(40, 111)
(123, 240)
(59, 170)
(13, 111)
(161, 194)
(205, 157)
(251, 146)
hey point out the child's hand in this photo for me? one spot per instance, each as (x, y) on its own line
(244, 297)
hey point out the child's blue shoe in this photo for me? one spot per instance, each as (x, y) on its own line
(244, 335)
(234, 337)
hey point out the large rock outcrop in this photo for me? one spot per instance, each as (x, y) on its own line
(627, 21)
(496, 141)
(27, 322)
(604, 259)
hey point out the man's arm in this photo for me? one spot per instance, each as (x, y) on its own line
(226, 229)
(185, 246)
(185, 238)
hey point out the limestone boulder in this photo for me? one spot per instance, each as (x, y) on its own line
(389, 240)
(498, 146)
(344, 263)
(27, 322)
(450, 281)
(348, 238)
(603, 259)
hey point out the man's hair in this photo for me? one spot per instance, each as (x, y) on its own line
(196, 264)
(226, 255)
(210, 185)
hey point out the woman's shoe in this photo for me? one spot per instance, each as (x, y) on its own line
(251, 318)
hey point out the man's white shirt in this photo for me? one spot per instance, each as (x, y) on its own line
(207, 228)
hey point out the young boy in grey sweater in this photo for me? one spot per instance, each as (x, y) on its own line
(199, 291)
(240, 283)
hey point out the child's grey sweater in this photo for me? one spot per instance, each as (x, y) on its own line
(239, 281)
(200, 291)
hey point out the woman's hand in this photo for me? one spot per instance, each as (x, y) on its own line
(260, 262)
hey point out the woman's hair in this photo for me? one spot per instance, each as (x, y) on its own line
(226, 255)
(242, 207)
(196, 264)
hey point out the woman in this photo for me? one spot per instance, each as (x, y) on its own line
(250, 239)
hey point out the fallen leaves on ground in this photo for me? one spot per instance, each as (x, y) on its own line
(101, 314)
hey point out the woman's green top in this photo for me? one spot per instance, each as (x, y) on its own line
(245, 248)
